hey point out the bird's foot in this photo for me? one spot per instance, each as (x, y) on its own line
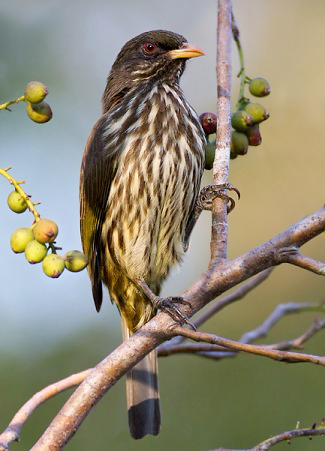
(168, 305)
(210, 192)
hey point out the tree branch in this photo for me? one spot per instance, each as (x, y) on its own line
(285, 437)
(211, 284)
(219, 235)
(306, 263)
(233, 297)
(217, 352)
(12, 432)
(282, 356)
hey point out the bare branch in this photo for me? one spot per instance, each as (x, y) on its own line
(233, 297)
(282, 356)
(306, 263)
(218, 352)
(219, 237)
(278, 313)
(285, 437)
(162, 327)
(12, 432)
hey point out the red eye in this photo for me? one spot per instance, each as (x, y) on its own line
(149, 48)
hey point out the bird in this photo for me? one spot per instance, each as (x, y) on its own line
(139, 184)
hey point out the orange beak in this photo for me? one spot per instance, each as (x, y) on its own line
(187, 51)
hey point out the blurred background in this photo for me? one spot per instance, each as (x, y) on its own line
(50, 329)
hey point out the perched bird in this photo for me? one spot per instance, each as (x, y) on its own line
(140, 179)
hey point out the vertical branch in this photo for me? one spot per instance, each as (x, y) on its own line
(219, 239)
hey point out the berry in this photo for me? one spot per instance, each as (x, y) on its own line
(45, 231)
(39, 112)
(239, 143)
(35, 92)
(259, 87)
(53, 265)
(257, 111)
(209, 123)
(35, 252)
(16, 202)
(241, 120)
(20, 238)
(210, 150)
(254, 136)
(75, 261)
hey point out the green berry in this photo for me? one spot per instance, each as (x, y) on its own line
(35, 252)
(257, 111)
(16, 202)
(53, 265)
(35, 92)
(39, 112)
(241, 120)
(239, 143)
(233, 155)
(75, 261)
(20, 238)
(254, 136)
(259, 87)
(210, 150)
(45, 231)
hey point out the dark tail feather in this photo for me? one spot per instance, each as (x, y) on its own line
(142, 395)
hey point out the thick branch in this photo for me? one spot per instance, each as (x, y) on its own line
(160, 328)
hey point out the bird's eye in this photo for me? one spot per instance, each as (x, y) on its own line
(149, 48)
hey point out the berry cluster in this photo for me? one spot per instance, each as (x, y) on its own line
(37, 240)
(37, 109)
(245, 122)
(247, 117)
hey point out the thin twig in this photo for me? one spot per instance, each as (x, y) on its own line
(217, 352)
(276, 315)
(307, 263)
(282, 356)
(233, 297)
(285, 437)
(12, 432)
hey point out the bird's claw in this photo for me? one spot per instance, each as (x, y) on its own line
(168, 305)
(210, 192)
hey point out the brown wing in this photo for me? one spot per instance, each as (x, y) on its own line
(98, 168)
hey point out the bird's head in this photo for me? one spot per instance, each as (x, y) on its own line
(154, 55)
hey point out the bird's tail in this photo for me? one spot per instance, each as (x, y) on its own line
(142, 395)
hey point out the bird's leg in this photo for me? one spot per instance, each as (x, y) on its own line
(204, 202)
(167, 304)
(210, 192)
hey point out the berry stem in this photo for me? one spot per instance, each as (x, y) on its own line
(18, 188)
(5, 106)
(242, 72)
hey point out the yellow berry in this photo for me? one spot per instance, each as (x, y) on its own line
(20, 238)
(53, 265)
(39, 112)
(75, 261)
(45, 231)
(16, 202)
(35, 252)
(35, 92)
